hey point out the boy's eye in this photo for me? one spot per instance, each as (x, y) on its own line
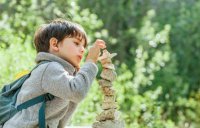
(76, 43)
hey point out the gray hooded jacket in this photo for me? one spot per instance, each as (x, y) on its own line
(60, 79)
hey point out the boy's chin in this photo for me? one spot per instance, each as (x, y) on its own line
(76, 65)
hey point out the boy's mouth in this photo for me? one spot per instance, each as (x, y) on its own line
(80, 57)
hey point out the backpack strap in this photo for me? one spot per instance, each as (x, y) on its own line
(42, 123)
(31, 102)
(39, 99)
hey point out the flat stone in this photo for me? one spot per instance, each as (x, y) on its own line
(106, 60)
(108, 74)
(109, 124)
(109, 99)
(104, 83)
(108, 91)
(109, 105)
(111, 114)
(109, 66)
(106, 54)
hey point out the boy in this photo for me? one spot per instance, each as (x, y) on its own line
(63, 43)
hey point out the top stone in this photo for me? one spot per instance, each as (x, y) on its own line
(106, 54)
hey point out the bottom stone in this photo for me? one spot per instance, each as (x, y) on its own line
(109, 124)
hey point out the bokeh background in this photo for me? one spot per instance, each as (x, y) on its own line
(158, 46)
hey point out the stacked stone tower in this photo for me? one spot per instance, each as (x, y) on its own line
(109, 117)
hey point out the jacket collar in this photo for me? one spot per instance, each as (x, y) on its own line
(42, 56)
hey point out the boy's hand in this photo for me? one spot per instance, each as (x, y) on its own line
(94, 51)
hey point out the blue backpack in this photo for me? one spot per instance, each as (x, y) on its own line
(8, 97)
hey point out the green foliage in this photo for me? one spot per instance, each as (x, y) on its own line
(16, 58)
(158, 54)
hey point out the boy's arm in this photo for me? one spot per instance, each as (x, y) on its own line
(74, 88)
(59, 83)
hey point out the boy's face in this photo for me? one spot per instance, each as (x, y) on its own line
(71, 50)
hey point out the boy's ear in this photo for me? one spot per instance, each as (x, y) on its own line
(53, 44)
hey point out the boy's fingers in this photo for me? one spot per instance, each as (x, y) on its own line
(100, 43)
(102, 46)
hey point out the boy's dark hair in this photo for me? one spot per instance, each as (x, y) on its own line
(58, 29)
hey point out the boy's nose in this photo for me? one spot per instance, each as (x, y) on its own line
(82, 49)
